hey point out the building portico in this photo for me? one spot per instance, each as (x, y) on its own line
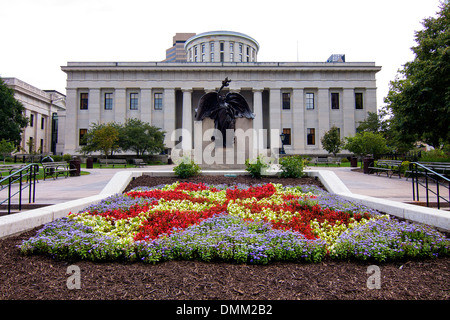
(303, 100)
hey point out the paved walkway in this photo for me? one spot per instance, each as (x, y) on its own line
(61, 190)
(381, 186)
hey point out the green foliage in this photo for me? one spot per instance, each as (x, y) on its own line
(186, 168)
(141, 137)
(12, 118)
(6, 148)
(255, 167)
(101, 137)
(66, 157)
(435, 155)
(419, 99)
(331, 141)
(366, 143)
(291, 167)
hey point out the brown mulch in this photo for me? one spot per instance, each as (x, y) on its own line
(43, 278)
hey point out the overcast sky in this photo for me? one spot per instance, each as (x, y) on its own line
(40, 36)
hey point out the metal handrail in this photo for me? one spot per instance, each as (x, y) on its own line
(27, 173)
(428, 173)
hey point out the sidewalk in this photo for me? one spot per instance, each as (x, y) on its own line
(63, 189)
(381, 186)
(53, 191)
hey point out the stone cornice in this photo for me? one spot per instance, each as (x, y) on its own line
(225, 66)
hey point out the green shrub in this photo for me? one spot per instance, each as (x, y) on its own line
(67, 157)
(435, 155)
(291, 167)
(255, 167)
(186, 168)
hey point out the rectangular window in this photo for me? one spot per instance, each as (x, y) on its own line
(309, 101)
(359, 100)
(134, 100)
(158, 101)
(231, 51)
(240, 52)
(211, 51)
(334, 100)
(287, 136)
(286, 100)
(84, 101)
(81, 135)
(42, 123)
(311, 136)
(41, 147)
(108, 101)
(203, 52)
(221, 46)
(31, 120)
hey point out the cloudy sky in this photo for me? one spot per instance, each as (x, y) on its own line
(40, 36)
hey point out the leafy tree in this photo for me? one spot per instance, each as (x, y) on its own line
(12, 119)
(141, 137)
(331, 141)
(419, 99)
(101, 137)
(6, 148)
(366, 143)
(388, 127)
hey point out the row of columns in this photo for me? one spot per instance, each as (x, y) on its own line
(321, 122)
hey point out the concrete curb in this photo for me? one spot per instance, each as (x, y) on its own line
(26, 220)
(434, 217)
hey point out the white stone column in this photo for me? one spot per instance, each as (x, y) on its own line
(349, 128)
(187, 119)
(169, 116)
(323, 107)
(94, 106)
(274, 118)
(258, 120)
(120, 105)
(298, 120)
(146, 105)
(71, 127)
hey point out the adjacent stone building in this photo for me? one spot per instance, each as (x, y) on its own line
(300, 99)
(41, 108)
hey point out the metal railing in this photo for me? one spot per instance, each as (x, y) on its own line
(20, 179)
(428, 178)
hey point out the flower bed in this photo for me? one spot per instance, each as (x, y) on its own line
(244, 224)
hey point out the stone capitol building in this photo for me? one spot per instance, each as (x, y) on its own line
(303, 100)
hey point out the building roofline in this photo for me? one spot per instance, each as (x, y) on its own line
(251, 66)
(221, 33)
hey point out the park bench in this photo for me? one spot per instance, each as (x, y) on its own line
(390, 167)
(7, 169)
(327, 161)
(442, 168)
(139, 162)
(55, 169)
(113, 162)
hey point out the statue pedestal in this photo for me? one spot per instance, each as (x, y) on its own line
(242, 143)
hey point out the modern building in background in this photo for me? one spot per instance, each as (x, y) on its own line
(177, 53)
(303, 100)
(41, 108)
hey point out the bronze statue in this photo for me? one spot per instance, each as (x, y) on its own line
(223, 109)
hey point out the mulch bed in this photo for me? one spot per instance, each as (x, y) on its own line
(42, 278)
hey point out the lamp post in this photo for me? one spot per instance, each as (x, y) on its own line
(283, 137)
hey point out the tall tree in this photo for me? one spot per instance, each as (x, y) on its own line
(419, 97)
(141, 137)
(12, 118)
